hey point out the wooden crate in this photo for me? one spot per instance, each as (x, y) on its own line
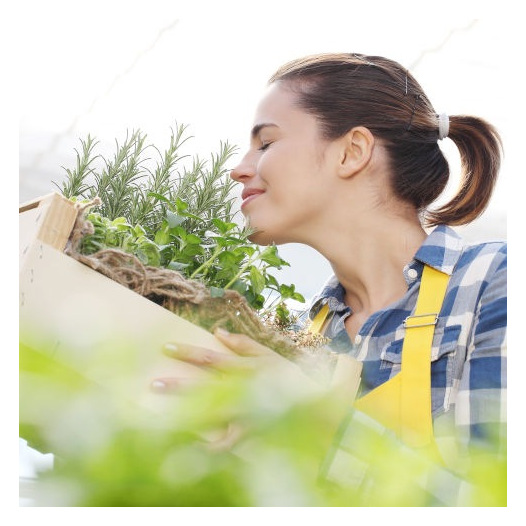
(80, 318)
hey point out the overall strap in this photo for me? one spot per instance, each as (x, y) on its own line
(415, 393)
(403, 403)
(316, 325)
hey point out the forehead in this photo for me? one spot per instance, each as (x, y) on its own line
(279, 105)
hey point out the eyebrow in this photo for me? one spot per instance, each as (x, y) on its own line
(258, 127)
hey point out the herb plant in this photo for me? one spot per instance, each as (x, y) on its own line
(177, 217)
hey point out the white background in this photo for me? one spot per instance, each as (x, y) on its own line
(105, 67)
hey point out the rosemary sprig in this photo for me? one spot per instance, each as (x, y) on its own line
(75, 184)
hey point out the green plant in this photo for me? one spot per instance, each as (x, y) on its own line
(179, 218)
(111, 453)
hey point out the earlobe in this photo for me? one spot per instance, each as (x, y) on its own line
(358, 146)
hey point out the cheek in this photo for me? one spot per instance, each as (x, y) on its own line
(281, 173)
(292, 174)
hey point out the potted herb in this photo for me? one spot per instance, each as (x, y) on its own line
(170, 232)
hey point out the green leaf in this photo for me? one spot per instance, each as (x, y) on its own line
(270, 255)
(227, 259)
(139, 230)
(283, 313)
(151, 252)
(223, 226)
(256, 301)
(180, 205)
(167, 255)
(229, 241)
(216, 292)
(176, 265)
(272, 281)
(192, 239)
(257, 280)
(193, 216)
(191, 250)
(240, 286)
(162, 237)
(245, 250)
(178, 231)
(173, 220)
(298, 297)
(286, 291)
(160, 197)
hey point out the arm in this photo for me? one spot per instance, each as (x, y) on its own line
(480, 407)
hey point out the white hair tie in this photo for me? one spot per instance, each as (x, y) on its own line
(443, 126)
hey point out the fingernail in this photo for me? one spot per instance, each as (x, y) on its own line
(158, 385)
(222, 332)
(170, 349)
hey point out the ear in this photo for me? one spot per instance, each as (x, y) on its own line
(357, 150)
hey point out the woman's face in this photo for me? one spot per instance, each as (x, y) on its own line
(286, 171)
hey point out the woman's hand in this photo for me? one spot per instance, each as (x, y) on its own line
(282, 381)
(248, 355)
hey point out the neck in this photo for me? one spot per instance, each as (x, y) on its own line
(368, 261)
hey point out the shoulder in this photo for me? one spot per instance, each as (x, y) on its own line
(467, 262)
(483, 259)
(479, 281)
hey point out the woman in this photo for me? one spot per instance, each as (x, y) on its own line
(344, 157)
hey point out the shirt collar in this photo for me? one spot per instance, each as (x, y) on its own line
(441, 250)
(332, 294)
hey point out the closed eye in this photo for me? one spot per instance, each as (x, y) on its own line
(263, 147)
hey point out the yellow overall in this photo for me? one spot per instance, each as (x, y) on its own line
(403, 403)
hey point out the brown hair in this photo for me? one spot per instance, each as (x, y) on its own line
(347, 90)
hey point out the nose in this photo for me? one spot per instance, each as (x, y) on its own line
(244, 170)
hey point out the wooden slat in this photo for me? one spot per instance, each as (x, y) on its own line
(49, 219)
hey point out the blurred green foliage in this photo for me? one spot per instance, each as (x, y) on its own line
(111, 451)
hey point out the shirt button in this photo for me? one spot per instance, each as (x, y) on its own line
(412, 273)
(357, 339)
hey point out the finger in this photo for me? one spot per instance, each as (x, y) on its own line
(254, 355)
(191, 354)
(171, 385)
(206, 358)
(242, 344)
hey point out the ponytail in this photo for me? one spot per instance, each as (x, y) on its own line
(480, 149)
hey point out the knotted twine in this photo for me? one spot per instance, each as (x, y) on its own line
(188, 298)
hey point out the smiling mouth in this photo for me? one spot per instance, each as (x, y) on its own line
(250, 196)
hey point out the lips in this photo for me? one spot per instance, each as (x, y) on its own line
(249, 194)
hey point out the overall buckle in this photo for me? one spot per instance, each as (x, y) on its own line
(419, 321)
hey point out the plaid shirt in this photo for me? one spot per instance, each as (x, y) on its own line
(468, 357)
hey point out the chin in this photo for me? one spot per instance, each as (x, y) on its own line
(261, 238)
(264, 237)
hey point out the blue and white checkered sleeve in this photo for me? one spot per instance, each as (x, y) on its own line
(480, 407)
